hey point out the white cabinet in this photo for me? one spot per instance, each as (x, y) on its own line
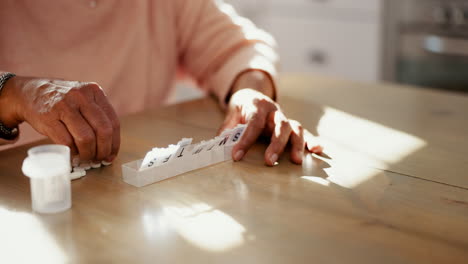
(330, 37)
(362, 6)
(336, 48)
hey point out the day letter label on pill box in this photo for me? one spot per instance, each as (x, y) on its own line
(192, 155)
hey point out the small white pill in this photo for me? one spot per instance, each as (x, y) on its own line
(76, 161)
(78, 169)
(77, 174)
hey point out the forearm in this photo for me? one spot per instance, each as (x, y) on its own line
(256, 80)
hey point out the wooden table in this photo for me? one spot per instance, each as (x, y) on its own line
(395, 189)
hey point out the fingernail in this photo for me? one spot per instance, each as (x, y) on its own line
(273, 158)
(78, 169)
(105, 163)
(76, 161)
(76, 175)
(110, 159)
(239, 154)
(96, 165)
(86, 166)
(317, 149)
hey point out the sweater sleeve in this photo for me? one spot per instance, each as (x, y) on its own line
(215, 45)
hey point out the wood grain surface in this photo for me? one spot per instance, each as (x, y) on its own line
(360, 204)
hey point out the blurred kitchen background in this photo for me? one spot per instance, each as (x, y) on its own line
(419, 42)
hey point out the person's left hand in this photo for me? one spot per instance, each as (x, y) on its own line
(264, 116)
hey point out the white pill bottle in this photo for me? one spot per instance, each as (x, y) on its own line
(48, 168)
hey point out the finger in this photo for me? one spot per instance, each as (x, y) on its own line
(253, 130)
(297, 142)
(102, 101)
(270, 125)
(312, 143)
(232, 119)
(59, 134)
(102, 127)
(279, 138)
(82, 133)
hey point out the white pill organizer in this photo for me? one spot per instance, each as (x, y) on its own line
(163, 163)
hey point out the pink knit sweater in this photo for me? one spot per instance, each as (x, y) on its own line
(134, 49)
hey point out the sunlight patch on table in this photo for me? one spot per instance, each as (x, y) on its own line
(359, 147)
(350, 178)
(26, 240)
(318, 180)
(154, 224)
(347, 175)
(205, 227)
(378, 142)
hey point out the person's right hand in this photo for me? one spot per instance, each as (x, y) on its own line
(71, 113)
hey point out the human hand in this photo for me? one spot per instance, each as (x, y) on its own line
(264, 116)
(75, 114)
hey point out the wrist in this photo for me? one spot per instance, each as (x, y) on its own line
(8, 104)
(256, 80)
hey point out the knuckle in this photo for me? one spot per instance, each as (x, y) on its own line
(257, 125)
(86, 139)
(75, 94)
(63, 109)
(116, 124)
(295, 123)
(61, 105)
(93, 87)
(67, 142)
(74, 91)
(59, 138)
(256, 101)
(284, 126)
(284, 123)
(297, 127)
(105, 132)
(262, 102)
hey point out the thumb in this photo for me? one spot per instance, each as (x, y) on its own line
(233, 118)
